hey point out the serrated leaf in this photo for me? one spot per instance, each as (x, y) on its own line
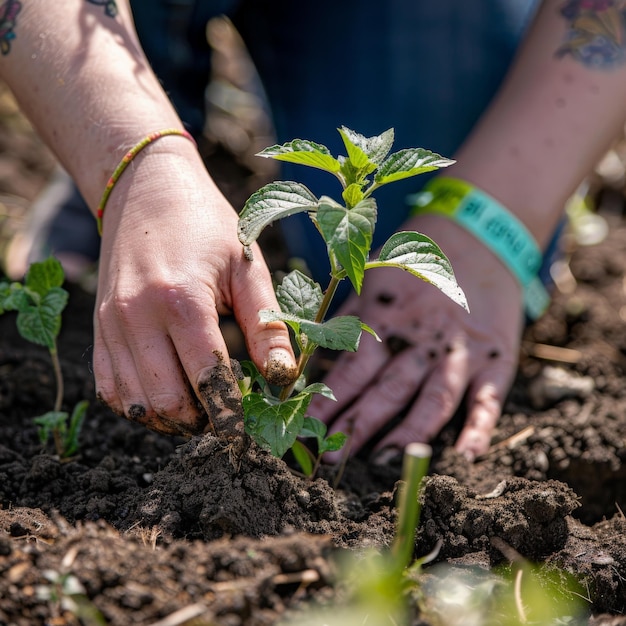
(348, 234)
(44, 275)
(303, 152)
(407, 163)
(338, 333)
(275, 426)
(41, 324)
(272, 202)
(357, 156)
(300, 295)
(322, 389)
(375, 148)
(422, 257)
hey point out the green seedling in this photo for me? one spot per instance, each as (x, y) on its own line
(276, 418)
(377, 587)
(39, 302)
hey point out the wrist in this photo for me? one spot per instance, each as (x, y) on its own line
(494, 227)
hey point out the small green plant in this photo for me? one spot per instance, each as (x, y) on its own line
(39, 302)
(276, 418)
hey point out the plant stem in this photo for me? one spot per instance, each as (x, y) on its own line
(414, 468)
(56, 364)
(305, 355)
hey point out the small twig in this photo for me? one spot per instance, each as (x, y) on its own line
(514, 440)
(552, 353)
(182, 615)
(518, 597)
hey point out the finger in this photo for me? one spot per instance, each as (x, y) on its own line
(484, 402)
(106, 390)
(165, 384)
(438, 399)
(269, 344)
(193, 327)
(349, 376)
(384, 399)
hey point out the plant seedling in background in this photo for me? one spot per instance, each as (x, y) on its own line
(276, 420)
(39, 302)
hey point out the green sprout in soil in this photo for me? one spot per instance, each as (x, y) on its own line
(275, 419)
(39, 302)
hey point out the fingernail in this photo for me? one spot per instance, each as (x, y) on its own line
(280, 368)
(469, 456)
(387, 456)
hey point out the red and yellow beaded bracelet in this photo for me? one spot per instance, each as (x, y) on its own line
(128, 157)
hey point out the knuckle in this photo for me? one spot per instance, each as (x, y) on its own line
(395, 389)
(168, 405)
(439, 399)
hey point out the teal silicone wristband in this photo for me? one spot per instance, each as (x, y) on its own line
(495, 227)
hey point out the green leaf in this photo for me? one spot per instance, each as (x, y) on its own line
(50, 422)
(322, 389)
(77, 419)
(348, 234)
(41, 323)
(422, 257)
(299, 295)
(375, 148)
(274, 426)
(303, 456)
(312, 427)
(409, 162)
(303, 152)
(358, 158)
(272, 202)
(333, 442)
(338, 333)
(13, 297)
(352, 195)
(44, 276)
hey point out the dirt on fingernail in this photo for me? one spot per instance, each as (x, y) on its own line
(278, 373)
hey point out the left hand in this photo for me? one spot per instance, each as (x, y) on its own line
(433, 354)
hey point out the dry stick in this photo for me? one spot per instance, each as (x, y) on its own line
(518, 597)
(414, 468)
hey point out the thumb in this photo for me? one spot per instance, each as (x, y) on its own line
(268, 343)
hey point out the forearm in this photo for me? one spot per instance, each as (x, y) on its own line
(550, 123)
(82, 79)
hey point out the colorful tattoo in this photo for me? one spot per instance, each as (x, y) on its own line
(8, 13)
(597, 32)
(110, 7)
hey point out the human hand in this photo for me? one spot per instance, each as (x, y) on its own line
(433, 354)
(170, 264)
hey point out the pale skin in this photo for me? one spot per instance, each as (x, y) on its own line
(171, 261)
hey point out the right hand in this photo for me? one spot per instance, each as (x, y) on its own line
(170, 264)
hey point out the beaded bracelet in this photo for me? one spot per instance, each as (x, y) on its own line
(495, 227)
(128, 157)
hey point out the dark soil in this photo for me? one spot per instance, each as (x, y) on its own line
(141, 528)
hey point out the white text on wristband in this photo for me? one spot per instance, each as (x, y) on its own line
(495, 227)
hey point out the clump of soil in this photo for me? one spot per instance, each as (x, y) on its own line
(144, 528)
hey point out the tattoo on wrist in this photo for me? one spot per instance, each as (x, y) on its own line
(596, 34)
(110, 6)
(8, 15)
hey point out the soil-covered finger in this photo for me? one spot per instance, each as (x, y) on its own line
(220, 395)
